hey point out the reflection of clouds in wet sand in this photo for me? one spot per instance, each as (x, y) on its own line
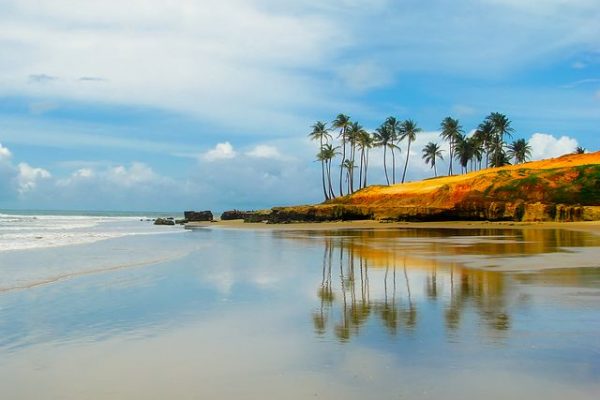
(207, 360)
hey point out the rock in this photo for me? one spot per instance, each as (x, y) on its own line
(194, 216)
(247, 216)
(181, 221)
(164, 221)
(235, 214)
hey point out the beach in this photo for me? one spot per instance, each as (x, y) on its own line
(587, 226)
(336, 310)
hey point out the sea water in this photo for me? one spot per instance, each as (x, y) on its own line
(165, 312)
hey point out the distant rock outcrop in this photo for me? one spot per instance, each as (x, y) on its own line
(235, 214)
(164, 221)
(195, 216)
(247, 216)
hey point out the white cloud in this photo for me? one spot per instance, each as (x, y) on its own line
(264, 59)
(463, 110)
(29, 177)
(544, 146)
(364, 75)
(137, 173)
(83, 173)
(264, 151)
(4, 153)
(222, 151)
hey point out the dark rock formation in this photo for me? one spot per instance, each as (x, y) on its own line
(235, 214)
(194, 216)
(247, 216)
(164, 221)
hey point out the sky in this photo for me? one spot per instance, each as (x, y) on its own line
(148, 105)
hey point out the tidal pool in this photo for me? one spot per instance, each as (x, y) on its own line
(346, 314)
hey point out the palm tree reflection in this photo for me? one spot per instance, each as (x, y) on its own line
(379, 285)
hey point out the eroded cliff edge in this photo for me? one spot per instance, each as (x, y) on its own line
(561, 189)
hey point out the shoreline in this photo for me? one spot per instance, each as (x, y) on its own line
(587, 226)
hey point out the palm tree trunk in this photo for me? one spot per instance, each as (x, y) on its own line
(323, 180)
(406, 164)
(331, 194)
(366, 167)
(323, 174)
(434, 169)
(353, 153)
(360, 172)
(342, 163)
(385, 165)
(451, 156)
(393, 167)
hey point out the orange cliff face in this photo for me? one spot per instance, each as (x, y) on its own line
(566, 188)
(448, 191)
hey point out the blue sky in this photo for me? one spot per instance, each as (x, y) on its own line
(153, 105)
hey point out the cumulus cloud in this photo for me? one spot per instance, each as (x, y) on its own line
(264, 151)
(222, 151)
(137, 173)
(364, 75)
(544, 145)
(4, 153)
(29, 177)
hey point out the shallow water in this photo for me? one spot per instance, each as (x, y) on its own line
(238, 314)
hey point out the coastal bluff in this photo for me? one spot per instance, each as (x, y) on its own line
(566, 189)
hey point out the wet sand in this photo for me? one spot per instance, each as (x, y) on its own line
(569, 255)
(588, 226)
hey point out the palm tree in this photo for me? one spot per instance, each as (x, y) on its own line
(431, 153)
(365, 142)
(498, 154)
(485, 134)
(328, 153)
(354, 132)
(520, 150)
(478, 150)
(451, 129)
(383, 137)
(409, 130)
(342, 122)
(349, 167)
(320, 133)
(501, 125)
(465, 151)
(394, 126)
(579, 150)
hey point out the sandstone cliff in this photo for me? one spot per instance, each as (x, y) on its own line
(561, 189)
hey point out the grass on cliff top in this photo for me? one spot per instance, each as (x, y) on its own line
(571, 179)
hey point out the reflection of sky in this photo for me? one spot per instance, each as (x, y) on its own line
(238, 309)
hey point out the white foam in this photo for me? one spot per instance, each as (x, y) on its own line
(22, 232)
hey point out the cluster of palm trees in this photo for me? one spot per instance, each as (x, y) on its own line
(485, 147)
(487, 141)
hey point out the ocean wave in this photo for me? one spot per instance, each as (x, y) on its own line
(24, 232)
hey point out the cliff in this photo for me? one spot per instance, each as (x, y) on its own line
(561, 189)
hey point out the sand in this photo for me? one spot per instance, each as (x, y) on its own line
(591, 226)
